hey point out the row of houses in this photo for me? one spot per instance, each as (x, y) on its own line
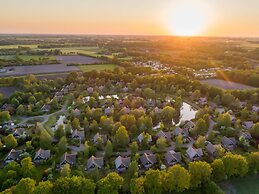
(122, 162)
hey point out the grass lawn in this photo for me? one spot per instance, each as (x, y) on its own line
(51, 121)
(243, 185)
(97, 67)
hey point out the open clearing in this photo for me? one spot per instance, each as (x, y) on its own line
(97, 67)
(76, 59)
(7, 91)
(227, 85)
(243, 185)
(37, 69)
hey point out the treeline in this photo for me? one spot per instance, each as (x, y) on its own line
(198, 177)
(248, 77)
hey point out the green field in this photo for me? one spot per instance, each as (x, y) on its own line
(32, 46)
(26, 57)
(97, 67)
(35, 57)
(243, 185)
(7, 57)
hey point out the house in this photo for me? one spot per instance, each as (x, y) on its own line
(172, 157)
(141, 137)
(68, 159)
(41, 155)
(94, 162)
(78, 135)
(148, 160)
(121, 163)
(228, 143)
(166, 135)
(108, 111)
(194, 154)
(255, 108)
(189, 125)
(45, 108)
(202, 101)
(7, 107)
(125, 89)
(19, 133)
(233, 118)
(76, 112)
(102, 137)
(90, 90)
(219, 110)
(7, 124)
(248, 124)
(125, 110)
(151, 103)
(157, 110)
(13, 155)
(245, 135)
(142, 109)
(243, 104)
(180, 131)
(211, 149)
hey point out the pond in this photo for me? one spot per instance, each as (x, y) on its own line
(187, 113)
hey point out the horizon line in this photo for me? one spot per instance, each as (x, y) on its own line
(140, 35)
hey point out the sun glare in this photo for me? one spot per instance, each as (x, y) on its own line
(188, 19)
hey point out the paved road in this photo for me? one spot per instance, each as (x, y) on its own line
(43, 118)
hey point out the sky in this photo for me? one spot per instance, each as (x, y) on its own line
(131, 17)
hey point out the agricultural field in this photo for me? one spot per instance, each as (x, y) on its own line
(97, 67)
(7, 57)
(90, 51)
(37, 69)
(77, 59)
(35, 57)
(15, 46)
(227, 85)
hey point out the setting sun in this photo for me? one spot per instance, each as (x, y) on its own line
(188, 19)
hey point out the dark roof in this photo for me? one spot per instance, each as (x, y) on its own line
(121, 162)
(68, 158)
(94, 162)
(173, 157)
(13, 155)
(148, 159)
(76, 134)
(231, 141)
(181, 131)
(210, 148)
(194, 153)
(42, 154)
(97, 135)
(166, 135)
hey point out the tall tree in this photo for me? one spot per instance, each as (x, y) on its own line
(153, 182)
(200, 172)
(25, 186)
(122, 137)
(111, 184)
(10, 141)
(178, 179)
